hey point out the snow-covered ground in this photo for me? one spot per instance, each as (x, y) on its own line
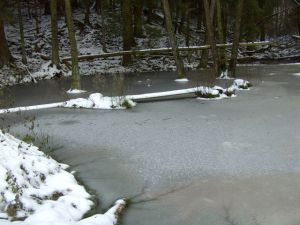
(37, 190)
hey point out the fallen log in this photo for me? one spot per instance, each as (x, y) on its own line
(161, 50)
(267, 60)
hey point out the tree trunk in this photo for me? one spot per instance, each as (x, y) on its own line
(47, 7)
(127, 31)
(87, 12)
(74, 54)
(36, 17)
(298, 19)
(236, 38)
(204, 54)
(172, 39)
(21, 28)
(222, 54)
(103, 26)
(54, 36)
(138, 19)
(5, 55)
(150, 6)
(210, 34)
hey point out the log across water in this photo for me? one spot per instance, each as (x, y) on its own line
(161, 50)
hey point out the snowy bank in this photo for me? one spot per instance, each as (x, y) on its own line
(38, 190)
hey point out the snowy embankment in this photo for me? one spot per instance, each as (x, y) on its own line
(98, 101)
(38, 190)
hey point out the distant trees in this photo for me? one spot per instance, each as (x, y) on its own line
(210, 21)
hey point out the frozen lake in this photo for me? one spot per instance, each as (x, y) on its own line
(234, 161)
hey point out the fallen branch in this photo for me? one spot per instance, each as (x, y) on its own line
(162, 50)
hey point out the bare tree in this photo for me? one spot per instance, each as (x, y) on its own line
(236, 38)
(127, 31)
(172, 39)
(74, 54)
(5, 55)
(21, 29)
(210, 34)
(54, 36)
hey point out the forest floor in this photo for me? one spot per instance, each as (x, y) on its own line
(100, 37)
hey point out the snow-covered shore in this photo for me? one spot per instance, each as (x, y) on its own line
(37, 190)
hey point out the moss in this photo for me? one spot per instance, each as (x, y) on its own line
(11, 210)
(126, 104)
(229, 93)
(56, 195)
(28, 139)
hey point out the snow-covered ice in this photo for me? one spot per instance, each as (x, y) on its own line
(38, 190)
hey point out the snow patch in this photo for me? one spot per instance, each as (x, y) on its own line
(296, 74)
(182, 80)
(48, 71)
(98, 101)
(75, 91)
(39, 190)
(240, 84)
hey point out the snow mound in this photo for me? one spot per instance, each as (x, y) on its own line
(33, 185)
(215, 92)
(98, 101)
(37, 190)
(240, 84)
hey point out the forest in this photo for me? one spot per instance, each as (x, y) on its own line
(43, 39)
